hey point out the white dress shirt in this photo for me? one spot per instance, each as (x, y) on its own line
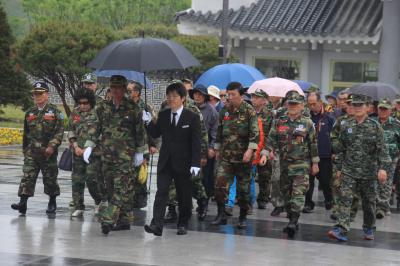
(178, 114)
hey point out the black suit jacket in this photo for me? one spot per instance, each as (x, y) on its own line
(180, 144)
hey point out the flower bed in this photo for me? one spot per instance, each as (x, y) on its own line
(10, 136)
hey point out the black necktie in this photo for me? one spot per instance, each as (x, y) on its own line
(174, 119)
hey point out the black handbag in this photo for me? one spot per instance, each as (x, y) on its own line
(65, 162)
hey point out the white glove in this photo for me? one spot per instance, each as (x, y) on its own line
(146, 117)
(194, 170)
(138, 159)
(86, 154)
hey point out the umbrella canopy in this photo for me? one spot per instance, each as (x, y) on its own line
(306, 85)
(222, 75)
(375, 90)
(275, 87)
(129, 75)
(143, 54)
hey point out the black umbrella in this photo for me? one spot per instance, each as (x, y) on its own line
(143, 55)
(375, 90)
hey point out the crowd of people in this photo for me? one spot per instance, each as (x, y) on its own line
(214, 144)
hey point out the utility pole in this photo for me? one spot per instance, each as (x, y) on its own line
(223, 47)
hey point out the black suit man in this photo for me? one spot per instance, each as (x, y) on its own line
(179, 157)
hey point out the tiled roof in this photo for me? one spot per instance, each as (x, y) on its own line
(309, 18)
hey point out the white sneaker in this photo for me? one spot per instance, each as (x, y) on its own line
(96, 209)
(77, 213)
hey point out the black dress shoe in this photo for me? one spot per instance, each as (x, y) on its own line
(276, 211)
(328, 205)
(121, 226)
(106, 228)
(262, 205)
(152, 229)
(181, 231)
(307, 209)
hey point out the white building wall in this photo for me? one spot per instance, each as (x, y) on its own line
(216, 5)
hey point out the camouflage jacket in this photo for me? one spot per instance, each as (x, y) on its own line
(121, 130)
(43, 128)
(295, 140)
(361, 149)
(391, 135)
(339, 123)
(237, 132)
(83, 128)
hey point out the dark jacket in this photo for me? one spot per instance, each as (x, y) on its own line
(180, 144)
(323, 123)
(210, 118)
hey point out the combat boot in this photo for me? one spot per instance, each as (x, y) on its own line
(221, 218)
(21, 206)
(171, 215)
(203, 207)
(52, 206)
(242, 219)
(276, 211)
(293, 224)
(262, 205)
(121, 227)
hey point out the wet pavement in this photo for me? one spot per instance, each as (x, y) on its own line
(38, 239)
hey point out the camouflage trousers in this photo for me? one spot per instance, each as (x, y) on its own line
(120, 176)
(396, 179)
(31, 168)
(264, 182)
(225, 175)
(335, 186)
(294, 183)
(276, 195)
(366, 189)
(84, 174)
(198, 190)
(95, 169)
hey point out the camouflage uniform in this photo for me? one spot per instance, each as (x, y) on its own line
(83, 128)
(361, 152)
(42, 128)
(122, 135)
(295, 142)
(237, 132)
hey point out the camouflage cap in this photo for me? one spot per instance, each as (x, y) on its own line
(260, 93)
(359, 98)
(295, 97)
(385, 103)
(118, 80)
(40, 86)
(89, 78)
(397, 99)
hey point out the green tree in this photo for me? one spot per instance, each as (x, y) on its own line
(58, 52)
(14, 87)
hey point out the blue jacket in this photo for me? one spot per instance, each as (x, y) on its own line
(323, 123)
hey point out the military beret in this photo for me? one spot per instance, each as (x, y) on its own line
(295, 97)
(260, 93)
(89, 78)
(385, 103)
(40, 86)
(118, 80)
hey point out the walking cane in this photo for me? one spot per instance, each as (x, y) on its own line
(151, 169)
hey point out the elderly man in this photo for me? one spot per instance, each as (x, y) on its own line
(323, 122)
(123, 140)
(43, 133)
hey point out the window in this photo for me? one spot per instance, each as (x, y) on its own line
(275, 67)
(346, 74)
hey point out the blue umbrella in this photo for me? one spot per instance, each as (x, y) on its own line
(306, 85)
(128, 74)
(222, 75)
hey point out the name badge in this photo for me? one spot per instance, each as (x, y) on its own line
(185, 126)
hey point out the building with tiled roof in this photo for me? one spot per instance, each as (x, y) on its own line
(334, 43)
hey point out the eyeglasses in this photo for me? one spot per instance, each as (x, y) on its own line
(222, 95)
(83, 103)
